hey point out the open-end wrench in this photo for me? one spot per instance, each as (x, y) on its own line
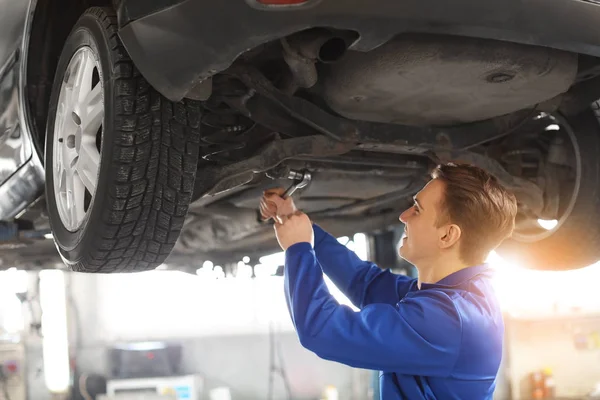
(301, 180)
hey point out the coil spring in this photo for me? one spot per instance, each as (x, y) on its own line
(225, 136)
(221, 142)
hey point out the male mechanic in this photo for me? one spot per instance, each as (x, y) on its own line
(435, 337)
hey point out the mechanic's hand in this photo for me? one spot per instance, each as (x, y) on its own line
(272, 205)
(296, 228)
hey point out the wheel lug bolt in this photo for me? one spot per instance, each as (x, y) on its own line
(71, 141)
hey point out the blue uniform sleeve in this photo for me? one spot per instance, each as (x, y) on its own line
(361, 281)
(419, 336)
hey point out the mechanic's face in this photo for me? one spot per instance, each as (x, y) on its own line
(421, 241)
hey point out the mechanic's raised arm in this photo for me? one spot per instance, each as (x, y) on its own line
(361, 281)
(405, 339)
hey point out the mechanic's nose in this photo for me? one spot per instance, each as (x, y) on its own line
(405, 215)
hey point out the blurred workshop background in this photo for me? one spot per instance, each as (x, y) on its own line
(174, 335)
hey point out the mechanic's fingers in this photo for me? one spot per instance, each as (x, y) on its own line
(263, 204)
(284, 206)
(264, 211)
(269, 206)
(278, 191)
(267, 211)
(276, 204)
(274, 198)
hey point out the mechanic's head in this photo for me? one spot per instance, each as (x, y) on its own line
(463, 212)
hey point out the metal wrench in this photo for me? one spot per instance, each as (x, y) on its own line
(301, 180)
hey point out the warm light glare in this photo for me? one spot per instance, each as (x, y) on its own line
(526, 292)
(547, 224)
(521, 291)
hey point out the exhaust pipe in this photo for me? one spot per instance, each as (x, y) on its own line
(303, 50)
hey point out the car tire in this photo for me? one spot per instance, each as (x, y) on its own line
(147, 157)
(575, 242)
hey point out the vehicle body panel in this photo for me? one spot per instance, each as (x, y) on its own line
(21, 169)
(14, 150)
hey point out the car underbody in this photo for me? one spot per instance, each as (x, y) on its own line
(368, 109)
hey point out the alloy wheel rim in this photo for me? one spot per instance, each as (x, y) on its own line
(78, 129)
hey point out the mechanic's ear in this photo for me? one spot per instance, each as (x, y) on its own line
(450, 236)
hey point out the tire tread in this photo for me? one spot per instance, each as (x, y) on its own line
(154, 156)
